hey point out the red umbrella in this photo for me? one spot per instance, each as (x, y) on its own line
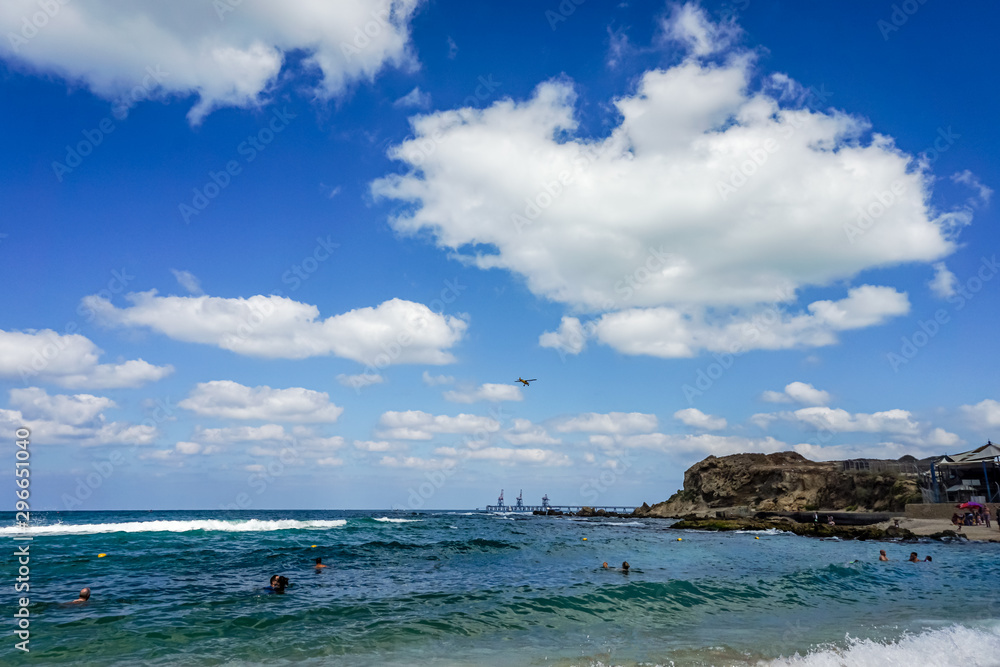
(970, 504)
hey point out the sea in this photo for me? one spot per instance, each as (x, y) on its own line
(477, 588)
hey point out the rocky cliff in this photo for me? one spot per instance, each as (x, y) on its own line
(783, 482)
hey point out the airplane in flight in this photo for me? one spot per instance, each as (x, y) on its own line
(525, 382)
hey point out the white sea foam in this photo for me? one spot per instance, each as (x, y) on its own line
(769, 531)
(251, 525)
(385, 519)
(954, 645)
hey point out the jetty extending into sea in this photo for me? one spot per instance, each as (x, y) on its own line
(545, 507)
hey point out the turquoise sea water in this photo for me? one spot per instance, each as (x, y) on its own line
(453, 588)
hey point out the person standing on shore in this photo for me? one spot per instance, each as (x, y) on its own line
(986, 516)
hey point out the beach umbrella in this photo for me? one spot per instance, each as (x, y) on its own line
(970, 504)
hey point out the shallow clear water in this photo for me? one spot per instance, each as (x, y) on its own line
(473, 588)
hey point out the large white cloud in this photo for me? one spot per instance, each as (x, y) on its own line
(611, 422)
(896, 423)
(69, 360)
(683, 332)
(419, 425)
(394, 332)
(698, 445)
(508, 455)
(226, 53)
(230, 400)
(709, 201)
(71, 419)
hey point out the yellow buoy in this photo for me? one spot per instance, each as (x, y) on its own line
(101, 555)
(585, 539)
(679, 539)
(756, 538)
(314, 546)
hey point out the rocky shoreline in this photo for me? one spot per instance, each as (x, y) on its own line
(812, 529)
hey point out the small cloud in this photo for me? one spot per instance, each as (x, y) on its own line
(619, 47)
(375, 445)
(330, 461)
(983, 193)
(330, 191)
(689, 25)
(570, 338)
(188, 281)
(452, 49)
(360, 380)
(944, 281)
(486, 392)
(414, 99)
(435, 380)
(696, 418)
(797, 392)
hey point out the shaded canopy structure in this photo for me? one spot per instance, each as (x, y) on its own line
(970, 475)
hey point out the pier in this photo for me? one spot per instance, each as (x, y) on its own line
(620, 509)
(519, 506)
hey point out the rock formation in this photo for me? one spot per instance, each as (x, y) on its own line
(783, 482)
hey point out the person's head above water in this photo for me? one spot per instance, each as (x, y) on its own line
(625, 566)
(605, 565)
(913, 556)
(84, 596)
(279, 582)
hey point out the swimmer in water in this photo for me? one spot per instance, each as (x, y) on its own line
(882, 556)
(605, 565)
(625, 567)
(913, 557)
(319, 564)
(278, 584)
(84, 596)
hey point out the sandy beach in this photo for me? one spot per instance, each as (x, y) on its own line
(932, 526)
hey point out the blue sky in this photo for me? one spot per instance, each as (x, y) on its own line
(297, 258)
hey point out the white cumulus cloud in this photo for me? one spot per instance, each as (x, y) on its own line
(799, 392)
(419, 425)
(71, 419)
(69, 360)
(485, 392)
(394, 332)
(696, 418)
(230, 400)
(227, 54)
(611, 422)
(712, 201)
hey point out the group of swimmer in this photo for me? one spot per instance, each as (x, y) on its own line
(912, 559)
(624, 568)
(278, 584)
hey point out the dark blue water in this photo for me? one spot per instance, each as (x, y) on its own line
(474, 588)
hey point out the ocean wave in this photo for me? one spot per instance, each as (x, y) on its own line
(769, 531)
(610, 523)
(954, 645)
(385, 519)
(250, 525)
